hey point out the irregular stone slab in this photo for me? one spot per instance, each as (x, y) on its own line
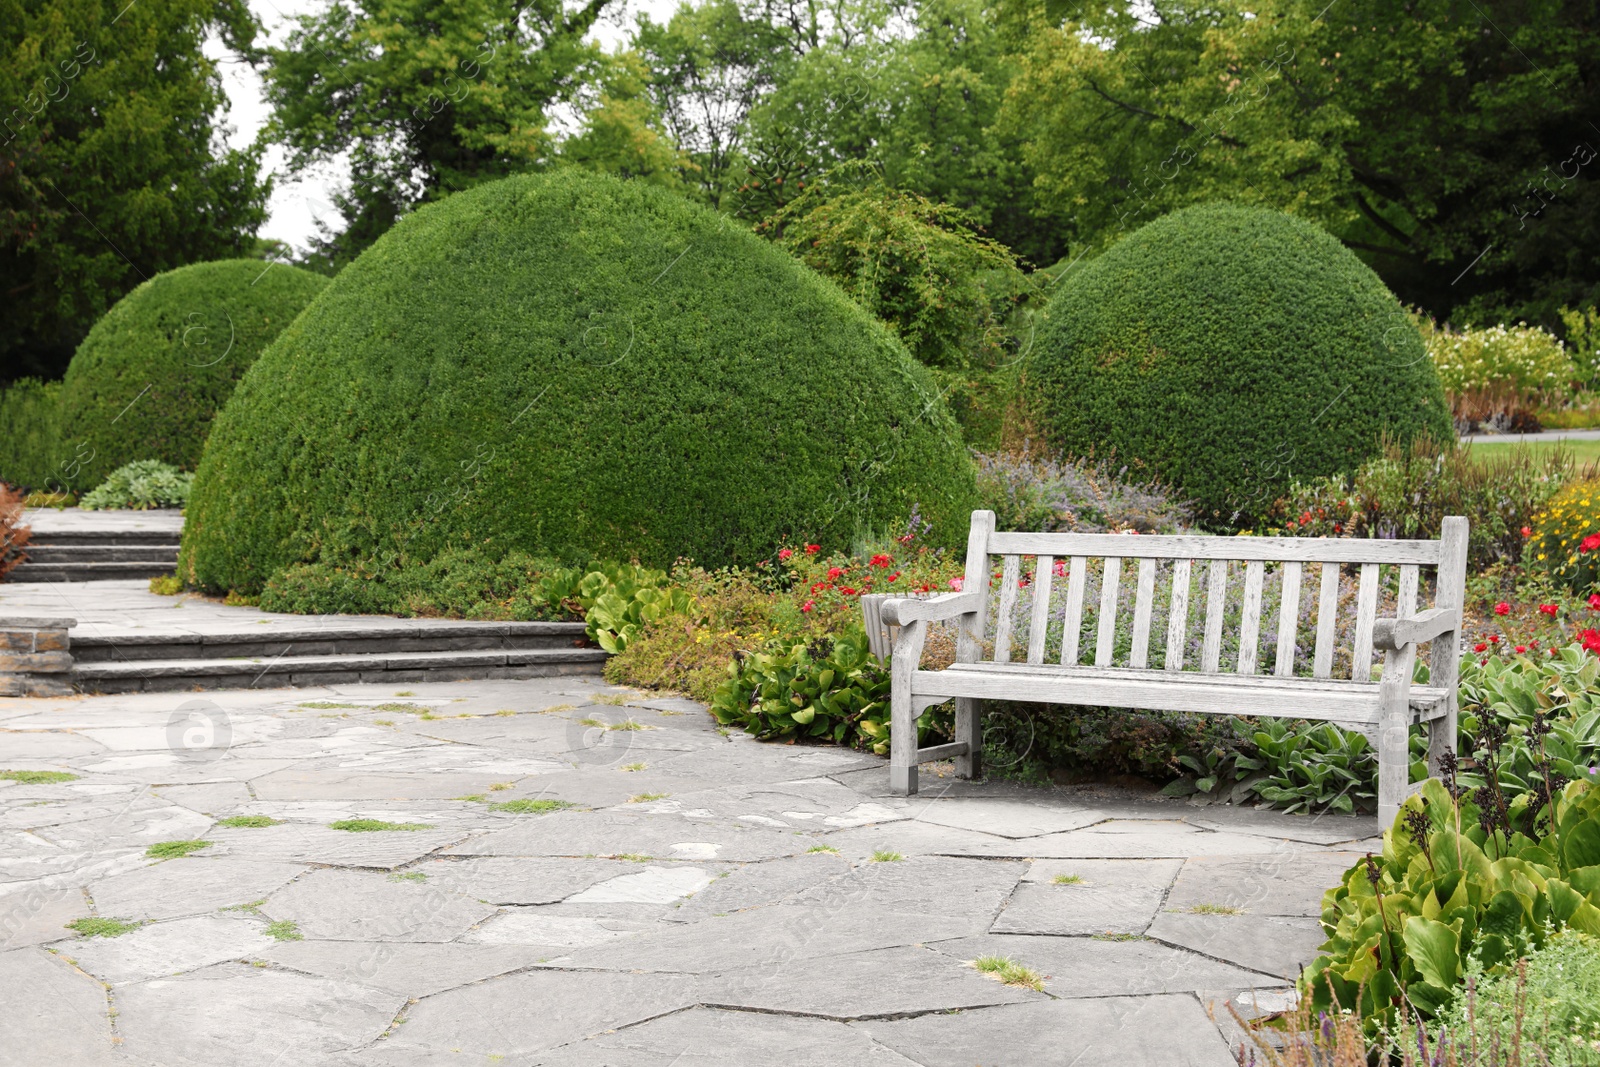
(1087, 967)
(809, 803)
(209, 798)
(1325, 828)
(862, 985)
(1172, 1031)
(708, 1037)
(756, 885)
(234, 1015)
(520, 879)
(367, 906)
(1119, 896)
(1270, 944)
(1134, 839)
(653, 885)
(1005, 818)
(521, 1014)
(342, 785)
(750, 762)
(551, 935)
(606, 833)
(126, 804)
(1274, 884)
(913, 837)
(409, 970)
(776, 936)
(933, 885)
(135, 828)
(384, 849)
(192, 885)
(53, 1014)
(19, 745)
(36, 913)
(168, 948)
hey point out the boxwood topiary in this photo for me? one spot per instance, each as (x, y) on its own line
(1228, 350)
(571, 365)
(152, 374)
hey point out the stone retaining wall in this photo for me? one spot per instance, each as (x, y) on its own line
(35, 657)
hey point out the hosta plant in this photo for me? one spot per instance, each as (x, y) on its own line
(1464, 874)
(1311, 766)
(141, 485)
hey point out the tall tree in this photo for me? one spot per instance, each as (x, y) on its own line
(1455, 151)
(426, 96)
(112, 166)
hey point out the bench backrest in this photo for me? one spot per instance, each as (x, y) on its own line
(1304, 561)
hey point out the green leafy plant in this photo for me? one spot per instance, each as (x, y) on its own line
(827, 688)
(620, 598)
(95, 926)
(141, 485)
(1500, 368)
(1311, 766)
(248, 822)
(168, 850)
(525, 806)
(38, 777)
(1549, 999)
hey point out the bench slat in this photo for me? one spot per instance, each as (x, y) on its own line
(1076, 579)
(1216, 591)
(1327, 618)
(1160, 691)
(1407, 606)
(1288, 619)
(1139, 655)
(1178, 616)
(1106, 624)
(1039, 625)
(1010, 573)
(1267, 549)
(1366, 615)
(1250, 620)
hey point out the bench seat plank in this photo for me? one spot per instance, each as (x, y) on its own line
(1332, 700)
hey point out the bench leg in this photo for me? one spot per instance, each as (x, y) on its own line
(1394, 768)
(902, 714)
(969, 728)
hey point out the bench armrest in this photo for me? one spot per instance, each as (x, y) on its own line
(1393, 634)
(899, 612)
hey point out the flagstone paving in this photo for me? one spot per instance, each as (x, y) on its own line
(694, 897)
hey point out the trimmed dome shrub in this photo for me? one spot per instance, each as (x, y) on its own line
(575, 366)
(152, 374)
(1230, 350)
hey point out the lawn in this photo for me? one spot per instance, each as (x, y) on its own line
(1586, 450)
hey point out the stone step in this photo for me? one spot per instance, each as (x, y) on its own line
(118, 552)
(143, 536)
(300, 671)
(87, 572)
(332, 640)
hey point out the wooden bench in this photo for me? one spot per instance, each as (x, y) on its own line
(1384, 710)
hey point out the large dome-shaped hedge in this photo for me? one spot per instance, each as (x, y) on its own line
(574, 365)
(1231, 349)
(152, 374)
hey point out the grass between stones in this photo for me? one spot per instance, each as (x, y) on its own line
(285, 930)
(365, 826)
(1110, 935)
(524, 806)
(1067, 879)
(556, 709)
(642, 798)
(408, 876)
(324, 705)
(822, 848)
(634, 766)
(614, 699)
(38, 777)
(94, 926)
(171, 850)
(419, 710)
(499, 786)
(1214, 909)
(406, 693)
(1007, 971)
(248, 822)
(883, 855)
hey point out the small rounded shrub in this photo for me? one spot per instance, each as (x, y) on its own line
(1226, 350)
(1565, 538)
(574, 366)
(140, 486)
(152, 374)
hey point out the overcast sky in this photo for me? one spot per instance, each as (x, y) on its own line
(298, 202)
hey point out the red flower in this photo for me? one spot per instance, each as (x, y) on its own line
(1480, 647)
(1590, 543)
(1548, 609)
(808, 605)
(1060, 568)
(1494, 639)
(1594, 601)
(906, 539)
(881, 560)
(812, 550)
(817, 587)
(1522, 648)
(1590, 640)
(893, 576)
(1289, 525)
(1502, 608)
(1338, 528)
(1306, 518)
(834, 572)
(1533, 644)
(785, 553)
(957, 583)
(1527, 531)
(847, 591)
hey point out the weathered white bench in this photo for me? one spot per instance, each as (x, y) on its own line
(1384, 710)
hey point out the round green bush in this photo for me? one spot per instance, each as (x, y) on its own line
(574, 366)
(152, 374)
(1228, 350)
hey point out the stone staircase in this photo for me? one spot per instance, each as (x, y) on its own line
(88, 555)
(389, 651)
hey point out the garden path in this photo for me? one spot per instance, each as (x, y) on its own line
(705, 899)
